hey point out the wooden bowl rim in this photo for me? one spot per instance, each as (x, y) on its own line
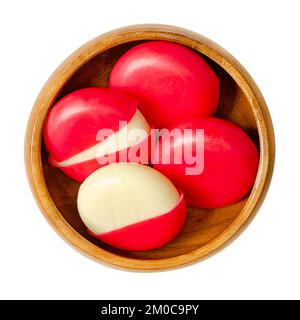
(63, 73)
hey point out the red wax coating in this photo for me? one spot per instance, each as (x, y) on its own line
(172, 82)
(149, 234)
(73, 122)
(230, 163)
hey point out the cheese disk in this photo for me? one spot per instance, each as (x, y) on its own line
(131, 206)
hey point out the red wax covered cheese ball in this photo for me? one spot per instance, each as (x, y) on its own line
(73, 126)
(225, 156)
(131, 206)
(172, 82)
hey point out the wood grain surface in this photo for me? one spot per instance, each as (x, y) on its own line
(206, 231)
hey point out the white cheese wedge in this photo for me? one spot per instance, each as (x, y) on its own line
(122, 194)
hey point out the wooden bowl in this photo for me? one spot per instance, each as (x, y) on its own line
(206, 231)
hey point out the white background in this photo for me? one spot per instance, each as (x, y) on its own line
(264, 262)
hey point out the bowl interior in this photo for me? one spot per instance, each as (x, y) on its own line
(203, 225)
